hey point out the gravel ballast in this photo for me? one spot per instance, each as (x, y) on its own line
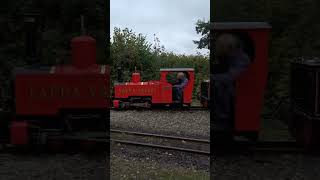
(171, 163)
(187, 123)
(130, 162)
(265, 167)
(52, 166)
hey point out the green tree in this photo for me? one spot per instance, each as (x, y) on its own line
(131, 51)
(203, 28)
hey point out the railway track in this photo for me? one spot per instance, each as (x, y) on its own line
(193, 145)
(190, 145)
(192, 108)
(280, 147)
(271, 147)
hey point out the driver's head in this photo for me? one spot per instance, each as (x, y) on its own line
(180, 75)
(226, 44)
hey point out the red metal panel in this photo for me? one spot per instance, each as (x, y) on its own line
(83, 51)
(164, 94)
(46, 94)
(187, 93)
(160, 92)
(251, 85)
(135, 77)
(116, 104)
(19, 133)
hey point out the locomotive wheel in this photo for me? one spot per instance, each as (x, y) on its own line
(304, 130)
(223, 143)
(305, 134)
(158, 106)
(293, 125)
(56, 145)
(89, 146)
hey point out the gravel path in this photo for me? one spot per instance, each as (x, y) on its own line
(188, 123)
(52, 167)
(267, 167)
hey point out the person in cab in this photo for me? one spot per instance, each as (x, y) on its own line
(232, 62)
(178, 87)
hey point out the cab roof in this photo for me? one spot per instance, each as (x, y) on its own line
(240, 25)
(176, 69)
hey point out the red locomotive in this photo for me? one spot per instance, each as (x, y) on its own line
(61, 100)
(152, 93)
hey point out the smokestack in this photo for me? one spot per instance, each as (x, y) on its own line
(119, 71)
(31, 25)
(83, 30)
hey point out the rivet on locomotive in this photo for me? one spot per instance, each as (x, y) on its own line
(61, 100)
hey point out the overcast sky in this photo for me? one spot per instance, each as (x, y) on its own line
(173, 21)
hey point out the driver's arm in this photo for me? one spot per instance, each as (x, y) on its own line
(183, 84)
(240, 65)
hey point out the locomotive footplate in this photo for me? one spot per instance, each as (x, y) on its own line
(127, 105)
(142, 105)
(304, 128)
(94, 136)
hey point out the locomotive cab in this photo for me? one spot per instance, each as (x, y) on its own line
(250, 86)
(187, 91)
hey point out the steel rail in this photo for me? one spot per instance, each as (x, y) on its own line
(161, 146)
(264, 147)
(160, 136)
(278, 146)
(192, 108)
(175, 148)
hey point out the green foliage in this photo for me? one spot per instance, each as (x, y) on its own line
(203, 28)
(131, 51)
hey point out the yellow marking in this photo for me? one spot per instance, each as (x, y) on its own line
(75, 92)
(30, 91)
(92, 92)
(62, 93)
(103, 69)
(43, 92)
(104, 92)
(52, 70)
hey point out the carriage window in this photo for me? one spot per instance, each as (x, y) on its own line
(171, 77)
